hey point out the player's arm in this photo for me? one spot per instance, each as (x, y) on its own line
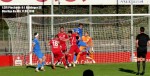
(137, 43)
(91, 44)
(148, 43)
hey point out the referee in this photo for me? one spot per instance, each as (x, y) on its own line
(142, 40)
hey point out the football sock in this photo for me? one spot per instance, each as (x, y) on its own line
(138, 66)
(144, 64)
(43, 63)
(39, 65)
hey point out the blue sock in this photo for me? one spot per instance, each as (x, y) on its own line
(75, 57)
(39, 65)
(43, 63)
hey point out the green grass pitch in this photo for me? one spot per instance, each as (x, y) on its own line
(115, 69)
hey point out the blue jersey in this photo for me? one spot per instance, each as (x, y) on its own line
(79, 31)
(36, 48)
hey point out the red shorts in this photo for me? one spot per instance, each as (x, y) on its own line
(74, 49)
(63, 47)
(58, 54)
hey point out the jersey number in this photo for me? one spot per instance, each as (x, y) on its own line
(55, 43)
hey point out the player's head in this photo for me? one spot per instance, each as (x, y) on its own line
(69, 33)
(56, 36)
(61, 29)
(88, 73)
(142, 29)
(80, 25)
(36, 35)
(86, 34)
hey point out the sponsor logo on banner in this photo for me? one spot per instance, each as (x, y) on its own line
(18, 61)
(129, 1)
(6, 0)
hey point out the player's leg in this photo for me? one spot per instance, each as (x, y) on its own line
(55, 60)
(39, 65)
(91, 55)
(144, 62)
(138, 61)
(62, 58)
(43, 63)
(80, 54)
(71, 54)
(38, 54)
(77, 51)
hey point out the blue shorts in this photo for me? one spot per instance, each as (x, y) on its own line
(39, 55)
(81, 43)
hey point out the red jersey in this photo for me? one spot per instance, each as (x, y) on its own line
(73, 40)
(62, 36)
(54, 44)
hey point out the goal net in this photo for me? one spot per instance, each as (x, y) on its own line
(111, 34)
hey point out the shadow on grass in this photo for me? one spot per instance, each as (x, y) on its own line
(33, 67)
(127, 71)
(56, 66)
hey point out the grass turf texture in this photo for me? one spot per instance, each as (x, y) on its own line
(115, 69)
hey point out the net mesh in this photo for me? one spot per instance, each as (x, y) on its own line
(111, 35)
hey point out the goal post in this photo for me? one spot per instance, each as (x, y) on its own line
(112, 34)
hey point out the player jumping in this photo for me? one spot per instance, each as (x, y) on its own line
(89, 46)
(56, 50)
(79, 31)
(37, 51)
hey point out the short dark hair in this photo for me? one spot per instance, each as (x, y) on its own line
(88, 72)
(61, 27)
(80, 24)
(87, 32)
(56, 36)
(70, 31)
(35, 33)
(142, 29)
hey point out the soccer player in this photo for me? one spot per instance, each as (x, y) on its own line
(37, 51)
(89, 46)
(56, 50)
(142, 40)
(79, 31)
(74, 47)
(62, 37)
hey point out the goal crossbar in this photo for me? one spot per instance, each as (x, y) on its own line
(85, 15)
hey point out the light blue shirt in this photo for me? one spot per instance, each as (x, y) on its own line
(36, 48)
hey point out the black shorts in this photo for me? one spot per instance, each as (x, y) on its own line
(141, 52)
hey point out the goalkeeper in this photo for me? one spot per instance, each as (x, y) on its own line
(88, 47)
